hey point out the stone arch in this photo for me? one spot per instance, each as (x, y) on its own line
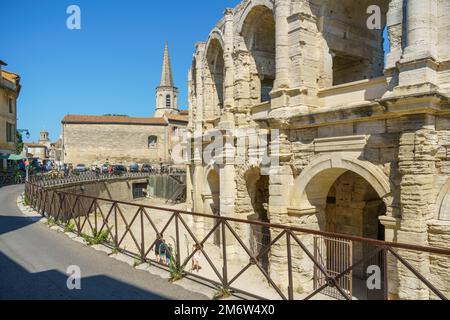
(248, 8)
(214, 75)
(259, 41)
(351, 50)
(442, 210)
(312, 185)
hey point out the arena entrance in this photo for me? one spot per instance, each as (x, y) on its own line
(348, 199)
(211, 199)
(258, 192)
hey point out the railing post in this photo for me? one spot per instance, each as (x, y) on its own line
(224, 254)
(142, 236)
(385, 275)
(289, 257)
(116, 236)
(177, 235)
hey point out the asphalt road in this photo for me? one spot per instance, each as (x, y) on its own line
(34, 261)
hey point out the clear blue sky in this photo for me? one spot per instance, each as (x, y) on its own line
(111, 65)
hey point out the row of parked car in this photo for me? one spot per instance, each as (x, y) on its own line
(117, 168)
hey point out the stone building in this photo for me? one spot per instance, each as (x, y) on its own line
(88, 139)
(363, 135)
(9, 93)
(40, 149)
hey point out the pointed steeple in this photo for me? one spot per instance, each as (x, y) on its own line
(166, 76)
(166, 93)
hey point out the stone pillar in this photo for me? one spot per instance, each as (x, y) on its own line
(391, 226)
(420, 21)
(227, 174)
(282, 9)
(280, 182)
(395, 32)
(417, 166)
(228, 59)
(418, 66)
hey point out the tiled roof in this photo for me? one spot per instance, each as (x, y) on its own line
(10, 76)
(177, 117)
(34, 145)
(73, 118)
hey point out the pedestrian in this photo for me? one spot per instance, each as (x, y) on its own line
(162, 251)
(158, 243)
(169, 254)
(196, 258)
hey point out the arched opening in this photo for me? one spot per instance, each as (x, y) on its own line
(346, 196)
(258, 193)
(214, 79)
(259, 35)
(212, 201)
(168, 101)
(357, 51)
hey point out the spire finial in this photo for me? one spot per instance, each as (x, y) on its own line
(166, 76)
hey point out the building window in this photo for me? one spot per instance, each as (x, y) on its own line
(168, 101)
(152, 141)
(11, 105)
(10, 132)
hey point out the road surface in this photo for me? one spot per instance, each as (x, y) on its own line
(34, 261)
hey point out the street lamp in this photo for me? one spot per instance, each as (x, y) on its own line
(27, 163)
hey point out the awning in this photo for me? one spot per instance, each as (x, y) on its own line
(4, 156)
(15, 157)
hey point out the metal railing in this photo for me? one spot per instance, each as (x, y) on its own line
(134, 229)
(11, 179)
(60, 179)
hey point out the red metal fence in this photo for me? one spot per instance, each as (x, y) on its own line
(294, 266)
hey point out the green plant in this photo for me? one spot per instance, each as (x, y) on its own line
(51, 221)
(97, 238)
(137, 262)
(176, 272)
(69, 227)
(222, 293)
(115, 250)
(26, 200)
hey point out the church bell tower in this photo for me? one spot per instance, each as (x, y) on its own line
(166, 92)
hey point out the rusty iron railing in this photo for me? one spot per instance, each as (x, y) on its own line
(96, 215)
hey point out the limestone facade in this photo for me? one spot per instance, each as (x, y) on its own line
(363, 144)
(9, 93)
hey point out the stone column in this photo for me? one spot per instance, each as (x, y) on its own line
(395, 32)
(228, 59)
(418, 66)
(282, 8)
(227, 173)
(417, 166)
(420, 21)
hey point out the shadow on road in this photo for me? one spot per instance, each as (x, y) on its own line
(17, 283)
(12, 223)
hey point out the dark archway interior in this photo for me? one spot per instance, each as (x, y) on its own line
(259, 34)
(258, 191)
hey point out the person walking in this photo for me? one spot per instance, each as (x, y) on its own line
(162, 251)
(158, 243)
(196, 258)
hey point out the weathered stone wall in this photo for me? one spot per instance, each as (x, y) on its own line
(340, 111)
(120, 144)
